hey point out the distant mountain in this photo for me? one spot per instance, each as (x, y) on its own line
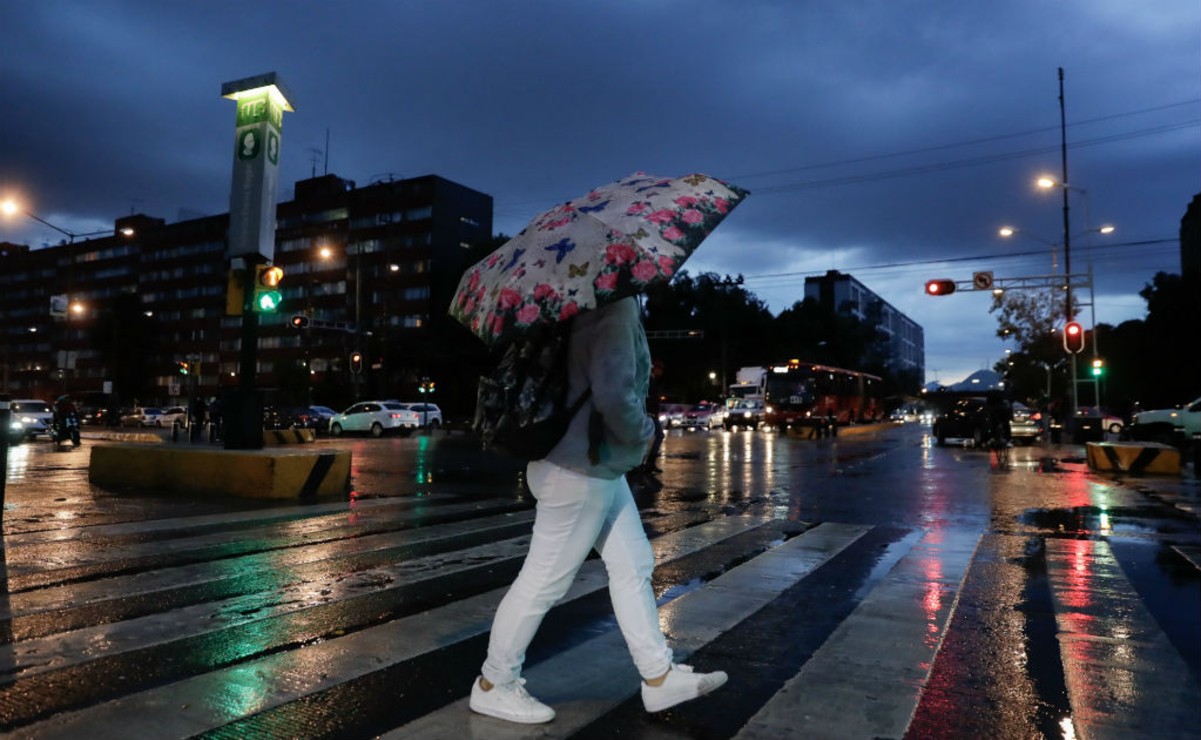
(981, 380)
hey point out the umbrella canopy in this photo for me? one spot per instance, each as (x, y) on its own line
(613, 242)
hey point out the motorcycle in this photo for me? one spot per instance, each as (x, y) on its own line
(64, 430)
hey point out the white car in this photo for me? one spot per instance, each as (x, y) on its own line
(34, 416)
(431, 415)
(375, 418)
(170, 415)
(142, 416)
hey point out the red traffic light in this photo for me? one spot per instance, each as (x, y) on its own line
(356, 362)
(940, 287)
(1073, 337)
(299, 321)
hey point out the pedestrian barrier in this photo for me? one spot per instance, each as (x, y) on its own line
(288, 436)
(279, 473)
(1133, 457)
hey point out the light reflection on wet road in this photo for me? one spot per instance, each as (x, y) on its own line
(1047, 599)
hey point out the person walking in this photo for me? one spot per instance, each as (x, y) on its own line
(197, 422)
(584, 502)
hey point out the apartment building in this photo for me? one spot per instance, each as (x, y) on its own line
(141, 314)
(843, 293)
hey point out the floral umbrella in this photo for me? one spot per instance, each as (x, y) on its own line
(613, 242)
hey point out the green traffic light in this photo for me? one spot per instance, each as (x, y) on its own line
(268, 301)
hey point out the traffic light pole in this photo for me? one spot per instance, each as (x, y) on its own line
(242, 410)
(1067, 282)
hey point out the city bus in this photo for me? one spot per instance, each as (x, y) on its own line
(805, 395)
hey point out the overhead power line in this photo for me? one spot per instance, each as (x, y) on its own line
(1039, 253)
(509, 208)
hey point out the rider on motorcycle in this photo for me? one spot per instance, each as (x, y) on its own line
(66, 421)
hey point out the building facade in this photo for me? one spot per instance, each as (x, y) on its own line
(140, 316)
(842, 293)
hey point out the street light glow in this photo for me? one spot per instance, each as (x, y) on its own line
(1046, 182)
(1007, 231)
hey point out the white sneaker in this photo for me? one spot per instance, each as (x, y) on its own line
(510, 702)
(680, 686)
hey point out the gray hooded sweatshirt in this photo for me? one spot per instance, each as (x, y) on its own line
(608, 352)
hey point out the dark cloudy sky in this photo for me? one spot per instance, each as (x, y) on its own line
(884, 138)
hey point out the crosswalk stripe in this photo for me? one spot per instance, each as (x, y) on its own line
(149, 581)
(1124, 677)
(882, 653)
(602, 673)
(200, 703)
(21, 564)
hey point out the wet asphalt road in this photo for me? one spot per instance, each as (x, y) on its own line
(957, 599)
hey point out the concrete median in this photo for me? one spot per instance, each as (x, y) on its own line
(276, 473)
(1133, 457)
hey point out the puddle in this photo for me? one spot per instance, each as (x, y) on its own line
(1093, 520)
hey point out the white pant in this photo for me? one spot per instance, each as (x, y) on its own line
(574, 514)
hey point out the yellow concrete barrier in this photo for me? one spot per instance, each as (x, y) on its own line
(288, 436)
(1133, 457)
(272, 473)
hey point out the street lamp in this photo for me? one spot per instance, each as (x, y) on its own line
(9, 207)
(1008, 232)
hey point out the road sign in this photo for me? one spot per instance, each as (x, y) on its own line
(982, 280)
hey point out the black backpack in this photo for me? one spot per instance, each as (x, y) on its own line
(521, 406)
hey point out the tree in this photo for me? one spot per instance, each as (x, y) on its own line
(734, 331)
(1032, 319)
(1173, 314)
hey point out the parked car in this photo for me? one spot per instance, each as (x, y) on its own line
(322, 415)
(375, 418)
(142, 416)
(746, 413)
(171, 415)
(704, 415)
(967, 418)
(304, 417)
(104, 416)
(272, 418)
(430, 414)
(1111, 423)
(34, 416)
(1025, 425)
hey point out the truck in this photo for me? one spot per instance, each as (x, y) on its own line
(748, 385)
(1179, 427)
